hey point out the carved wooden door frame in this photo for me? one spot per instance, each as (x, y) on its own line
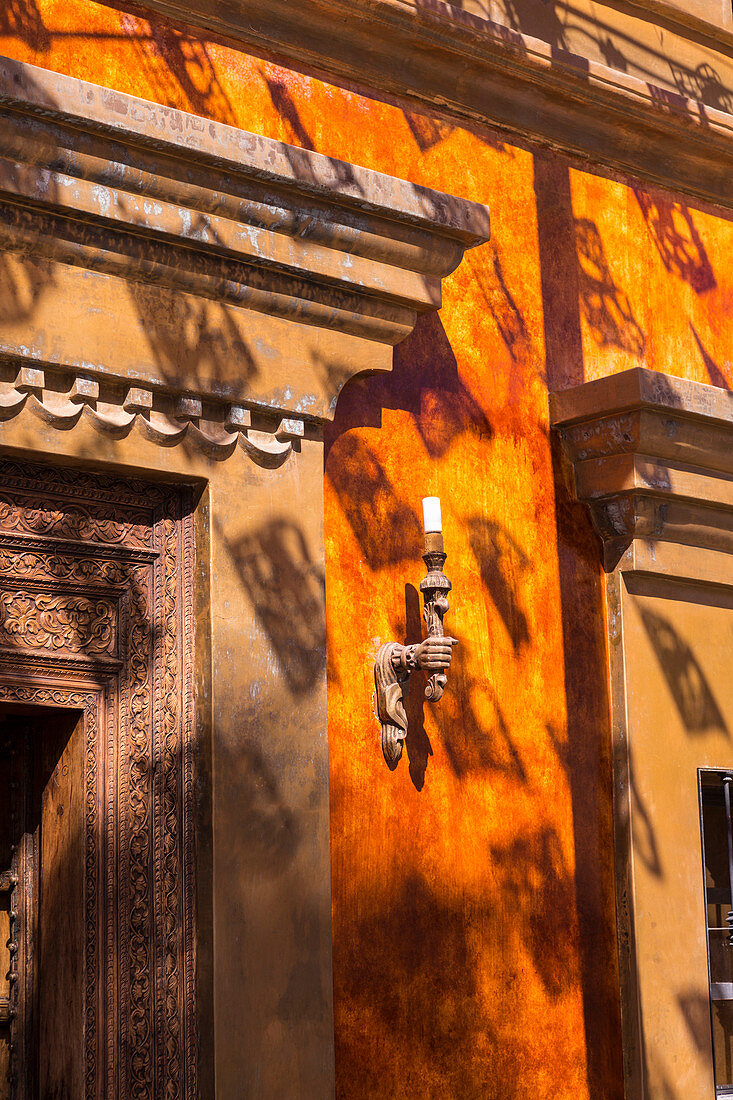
(96, 614)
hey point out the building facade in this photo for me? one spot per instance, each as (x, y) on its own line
(270, 274)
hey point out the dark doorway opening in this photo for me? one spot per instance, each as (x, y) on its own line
(41, 904)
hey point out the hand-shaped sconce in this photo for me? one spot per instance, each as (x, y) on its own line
(396, 662)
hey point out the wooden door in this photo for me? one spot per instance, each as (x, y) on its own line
(41, 906)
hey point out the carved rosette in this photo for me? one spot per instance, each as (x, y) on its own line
(130, 634)
(39, 620)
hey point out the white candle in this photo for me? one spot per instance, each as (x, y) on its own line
(431, 514)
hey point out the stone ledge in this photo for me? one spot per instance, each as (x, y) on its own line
(224, 262)
(464, 66)
(652, 457)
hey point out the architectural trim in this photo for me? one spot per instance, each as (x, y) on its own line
(124, 656)
(452, 62)
(230, 265)
(116, 410)
(652, 457)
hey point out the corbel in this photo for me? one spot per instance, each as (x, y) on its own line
(84, 391)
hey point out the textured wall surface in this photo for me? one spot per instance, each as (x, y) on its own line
(474, 951)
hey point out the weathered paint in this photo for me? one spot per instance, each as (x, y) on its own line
(474, 950)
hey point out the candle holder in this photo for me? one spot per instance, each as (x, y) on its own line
(396, 663)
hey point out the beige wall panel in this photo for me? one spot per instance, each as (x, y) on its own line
(266, 709)
(677, 642)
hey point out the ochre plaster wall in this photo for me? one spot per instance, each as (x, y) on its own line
(473, 910)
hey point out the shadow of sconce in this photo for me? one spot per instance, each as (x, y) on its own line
(287, 590)
(686, 680)
(417, 742)
(501, 562)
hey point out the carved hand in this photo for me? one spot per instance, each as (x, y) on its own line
(434, 653)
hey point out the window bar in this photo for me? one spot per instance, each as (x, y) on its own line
(727, 781)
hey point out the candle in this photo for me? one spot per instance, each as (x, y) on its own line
(431, 514)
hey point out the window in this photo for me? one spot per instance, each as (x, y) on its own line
(716, 800)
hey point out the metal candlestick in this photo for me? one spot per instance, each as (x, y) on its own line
(395, 663)
(435, 588)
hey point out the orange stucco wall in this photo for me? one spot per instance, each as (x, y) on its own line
(474, 949)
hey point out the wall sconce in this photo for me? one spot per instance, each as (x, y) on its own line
(395, 663)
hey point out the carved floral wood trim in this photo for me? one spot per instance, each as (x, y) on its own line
(122, 654)
(38, 620)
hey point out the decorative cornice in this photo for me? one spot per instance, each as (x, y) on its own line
(434, 55)
(117, 409)
(652, 457)
(225, 264)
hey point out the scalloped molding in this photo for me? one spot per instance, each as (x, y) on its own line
(148, 246)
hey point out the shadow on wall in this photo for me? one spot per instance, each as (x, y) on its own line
(287, 590)
(534, 873)
(715, 374)
(286, 108)
(604, 305)
(417, 963)
(423, 382)
(23, 18)
(559, 273)
(677, 240)
(702, 84)
(474, 731)
(412, 966)
(573, 29)
(23, 278)
(386, 527)
(503, 307)
(429, 132)
(646, 847)
(267, 834)
(587, 755)
(261, 883)
(176, 63)
(685, 679)
(417, 742)
(23, 282)
(502, 565)
(194, 341)
(586, 749)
